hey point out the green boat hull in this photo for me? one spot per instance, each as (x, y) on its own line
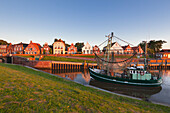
(117, 80)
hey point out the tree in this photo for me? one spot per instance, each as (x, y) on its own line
(51, 52)
(79, 46)
(2, 42)
(153, 46)
(44, 51)
(156, 45)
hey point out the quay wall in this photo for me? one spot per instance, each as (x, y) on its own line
(32, 63)
(50, 64)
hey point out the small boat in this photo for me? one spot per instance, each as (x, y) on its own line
(109, 70)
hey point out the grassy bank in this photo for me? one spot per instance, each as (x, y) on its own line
(29, 56)
(54, 58)
(93, 56)
(25, 90)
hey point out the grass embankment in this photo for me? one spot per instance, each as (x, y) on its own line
(29, 56)
(54, 58)
(25, 90)
(93, 56)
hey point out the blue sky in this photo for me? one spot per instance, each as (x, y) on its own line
(84, 20)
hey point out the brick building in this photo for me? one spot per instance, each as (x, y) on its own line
(138, 49)
(19, 48)
(96, 49)
(3, 49)
(127, 49)
(10, 49)
(164, 54)
(33, 48)
(72, 49)
(46, 49)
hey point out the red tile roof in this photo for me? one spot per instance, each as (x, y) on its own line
(37, 46)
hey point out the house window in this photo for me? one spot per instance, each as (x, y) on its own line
(35, 52)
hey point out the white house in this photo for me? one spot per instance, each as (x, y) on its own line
(87, 49)
(116, 48)
(59, 47)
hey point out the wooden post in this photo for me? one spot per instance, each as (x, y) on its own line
(84, 64)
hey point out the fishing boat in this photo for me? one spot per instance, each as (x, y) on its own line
(120, 72)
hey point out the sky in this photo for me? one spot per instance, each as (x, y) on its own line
(84, 21)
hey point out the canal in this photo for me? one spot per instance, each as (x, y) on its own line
(156, 94)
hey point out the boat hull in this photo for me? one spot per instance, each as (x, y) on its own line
(117, 80)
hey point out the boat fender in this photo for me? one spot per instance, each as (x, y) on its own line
(142, 73)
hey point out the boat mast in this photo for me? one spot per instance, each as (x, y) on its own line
(108, 50)
(145, 66)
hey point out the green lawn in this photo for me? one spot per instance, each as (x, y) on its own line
(30, 56)
(25, 90)
(54, 58)
(93, 56)
(86, 56)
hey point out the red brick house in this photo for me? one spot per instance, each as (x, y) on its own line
(10, 49)
(19, 48)
(33, 48)
(164, 54)
(72, 49)
(138, 49)
(127, 49)
(46, 49)
(96, 49)
(3, 49)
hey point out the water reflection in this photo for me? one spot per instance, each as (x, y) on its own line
(164, 95)
(156, 94)
(135, 91)
(79, 75)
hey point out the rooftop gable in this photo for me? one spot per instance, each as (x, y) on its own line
(87, 45)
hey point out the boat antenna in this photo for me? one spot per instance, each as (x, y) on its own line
(145, 63)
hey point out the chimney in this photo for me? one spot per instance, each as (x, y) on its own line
(31, 42)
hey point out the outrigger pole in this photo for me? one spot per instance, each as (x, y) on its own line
(108, 50)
